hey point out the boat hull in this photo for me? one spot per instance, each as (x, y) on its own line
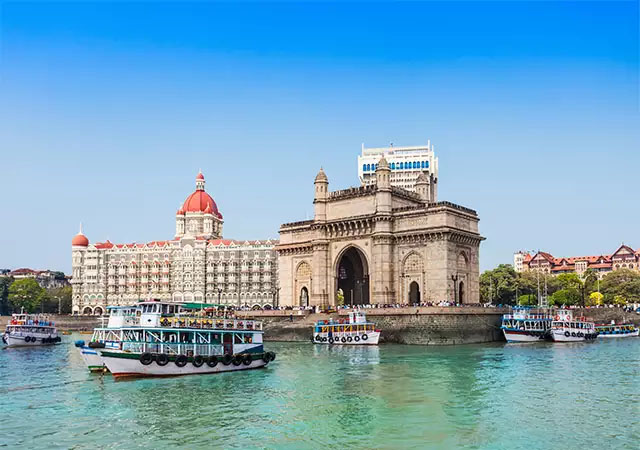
(92, 359)
(372, 338)
(619, 335)
(19, 341)
(123, 365)
(560, 336)
(522, 336)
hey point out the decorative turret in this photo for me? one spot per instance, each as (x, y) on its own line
(422, 187)
(80, 240)
(321, 184)
(199, 181)
(383, 186)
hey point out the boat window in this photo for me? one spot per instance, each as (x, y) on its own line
(237, 339)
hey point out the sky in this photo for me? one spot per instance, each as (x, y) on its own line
(109, 109)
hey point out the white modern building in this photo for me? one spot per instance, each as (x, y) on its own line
(406, 164)
(197, 265)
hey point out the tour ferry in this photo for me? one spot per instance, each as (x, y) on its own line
(617, 331)
(182, 344)
(29, 330)
(566, 328)
(107, 336)
(352, 331)
(524, 325)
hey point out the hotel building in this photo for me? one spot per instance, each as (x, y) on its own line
(406, 163)
(196, 265)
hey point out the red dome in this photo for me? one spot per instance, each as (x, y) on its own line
(200, 176)
(198, 202)
(80, 240)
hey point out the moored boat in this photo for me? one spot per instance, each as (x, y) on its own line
(566, 328)
(355, 330)
(617, 330)
(525, 325)
(30, 330)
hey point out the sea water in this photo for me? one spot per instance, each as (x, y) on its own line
(498, 396)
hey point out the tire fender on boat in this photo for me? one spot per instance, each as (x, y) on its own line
(181, 360)
(146, 358)
(198, 361)
(212, 361)
(162, 359)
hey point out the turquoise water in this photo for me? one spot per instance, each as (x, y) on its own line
(537, 396)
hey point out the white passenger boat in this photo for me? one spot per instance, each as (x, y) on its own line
(352, 331)
(107, 336)
(30, 330)
(566, 328)
(526, 325)
(617, 330)
(183, 344)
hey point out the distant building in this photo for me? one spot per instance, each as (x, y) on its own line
(623, 258)
(197, 265)
(47, 279)
(406, 163)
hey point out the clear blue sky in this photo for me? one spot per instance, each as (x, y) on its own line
(108, 110)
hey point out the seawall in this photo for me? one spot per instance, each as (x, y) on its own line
(419, 326)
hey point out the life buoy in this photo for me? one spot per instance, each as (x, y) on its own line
(573, 334)
(198, 361)
(162, 359)
(265, 357)
(318, 337)
(212, 361)
(324, 339)
(27, 339)
(344, 339)
(247, 360)
(272, 356)
(237, 360)
(567, 334)
(181, 360)
(330, 340)
(146, 358)
(356, 338)
(226, 359)
(349, 339)
(365, 337)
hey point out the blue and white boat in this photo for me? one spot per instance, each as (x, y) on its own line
(617, 330)
(525, 324)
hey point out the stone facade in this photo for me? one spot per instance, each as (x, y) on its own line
(379, 244)
(196, 266)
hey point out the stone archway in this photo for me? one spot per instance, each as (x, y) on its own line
(352, 274)
(98, 311)
(461, 292)
(304, 296)
(414, 293)
(303, 282)
(87, 310)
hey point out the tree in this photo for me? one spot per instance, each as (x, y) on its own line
(623, 282)
(26, 294)
(619, 300)
(596, 298)
(59, 297)
(5, 283)
(340, 297)
(499, 285)
(565, 297)
(528, 300)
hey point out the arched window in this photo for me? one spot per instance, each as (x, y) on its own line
(393, 166)
(415, 164)
(401, 166)
(426, 164)
(364, 167)
(422, 165)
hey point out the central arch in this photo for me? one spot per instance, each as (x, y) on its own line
(352, 274)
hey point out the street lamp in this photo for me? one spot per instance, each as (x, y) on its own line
(455, 287)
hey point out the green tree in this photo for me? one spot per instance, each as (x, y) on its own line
(623, 282)
(5, 282)
(26, 294)
(58, 297)
(340, 297)
(565, 297)
(528, 300)
(619, 300)
(499, 285)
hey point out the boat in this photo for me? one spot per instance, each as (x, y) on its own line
(106, 336)
(617, 330)
(526, 325)
(566, 328)
(30, 330)
(183, 343)
(355, 330)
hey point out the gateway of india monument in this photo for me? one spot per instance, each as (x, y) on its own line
(380, 244)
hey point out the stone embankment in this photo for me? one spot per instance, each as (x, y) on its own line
(418, 325)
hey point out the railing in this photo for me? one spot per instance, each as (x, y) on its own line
(204, 323)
